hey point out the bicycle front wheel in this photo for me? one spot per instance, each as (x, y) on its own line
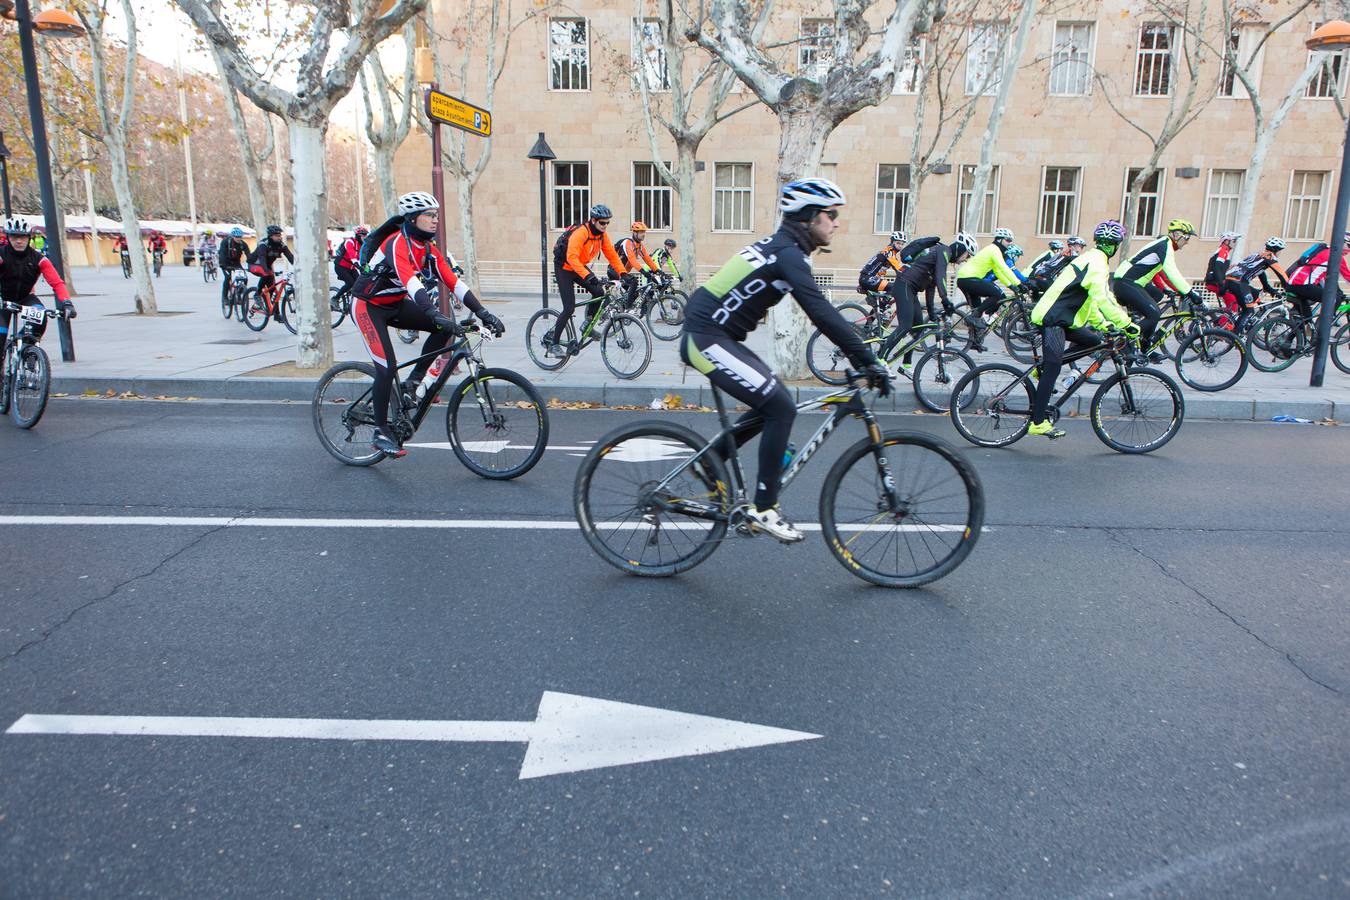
(1137, 411)
(227, 304)
(31, 384)
(991, 405)
(290, 313)
(625, 346)
(926, 533)
(344, 417)
(255, 310)
(1210, 360)
(1274, 345)
(337, 305)
(665, 315)
(935, 374)
(497, 424)
(633, 522)
(1020, 336)
(1340, 349)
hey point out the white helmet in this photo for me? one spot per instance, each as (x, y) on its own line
(1230, 235)
(804, 192)
(17, 226)
(899, 237)
(963, 241)
(416, 202)
(1003, 234)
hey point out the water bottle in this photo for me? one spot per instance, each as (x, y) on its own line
(788, 454)
(1066, 381)
(430, 378)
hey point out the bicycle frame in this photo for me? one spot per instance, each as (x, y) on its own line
(1112, 350)
(463, 350)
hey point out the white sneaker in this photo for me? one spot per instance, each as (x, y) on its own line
(771, 522)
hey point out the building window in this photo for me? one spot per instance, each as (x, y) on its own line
(815, 54)
(649, 55)
(651, 196)
(967, 186)
(909, 71)
(1242, 43)
(1153, 60)
(1221, 201)
(1330, 81)
(1059, 201)
(1150, 202)
(571, 193)
(1071, 59)
(733, 196)
(1307, 199)
(569, 55)
(982, 53)
(892, 198)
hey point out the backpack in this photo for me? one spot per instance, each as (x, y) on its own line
(915, 248)
(560, 246)
(1308, 254)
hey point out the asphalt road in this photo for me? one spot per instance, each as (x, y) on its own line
(1136, 686)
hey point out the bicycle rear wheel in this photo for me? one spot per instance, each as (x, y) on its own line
(935, 525)
(1274, 345)
(31, 384)
(227, 303)
(825, 360)
(1211, 360)
(625, 346)
(343, 415)
(1020, 337)
(497, 424)
(631, 524)
(255, 313)
(991, 405)
(338, 305)
(289, 312)
(1340, 349)
(541, 324)
(665, 315)
(935, 374)
(1137, 411)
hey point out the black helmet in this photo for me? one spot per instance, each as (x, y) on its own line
(670, 244)
(273, 230)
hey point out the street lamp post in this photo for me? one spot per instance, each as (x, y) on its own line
(1332, 36)
(54, 23)
(544, 153)
(4, 174)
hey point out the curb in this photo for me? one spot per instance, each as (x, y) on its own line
(1198, 406)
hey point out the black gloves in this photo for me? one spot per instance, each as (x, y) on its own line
(66, 307)
(592, 284)
(444, 322)
(423, 299)
(491, 322)
(878, 378)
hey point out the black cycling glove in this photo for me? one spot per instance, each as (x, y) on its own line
(491, 322)
(66, 307)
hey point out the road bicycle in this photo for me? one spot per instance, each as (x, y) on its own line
(495, 420)
(274, 301)
(941, 363)
(209, 268)
(232, 298)
(158, 256)
(126, 264)
(1136, 410)
(25, 372)
(625, 344)
(898, 508)
(661, 305)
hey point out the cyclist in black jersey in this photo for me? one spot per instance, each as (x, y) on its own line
(879, 272)
(1238, 279)
(731, 304)
(927, 273)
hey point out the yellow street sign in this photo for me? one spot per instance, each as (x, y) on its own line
(457, 113)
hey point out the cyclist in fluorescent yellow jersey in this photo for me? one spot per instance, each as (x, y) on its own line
(1075, 305)
(985, 296)
(1134, 288)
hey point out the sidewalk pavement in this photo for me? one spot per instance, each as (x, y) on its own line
(190, 350)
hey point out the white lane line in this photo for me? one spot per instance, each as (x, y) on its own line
(443, 524)
(488, 446)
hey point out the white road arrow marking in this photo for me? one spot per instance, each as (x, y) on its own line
(570, 733)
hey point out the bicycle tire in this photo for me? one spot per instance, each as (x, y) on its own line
(665, 315)
(542, 323)
(5, 359)
(239, 296)
(825, 360)
(30, 387)
(849, 541)
(495, 407)
(338, 410)
(1211, 360)
(1142, 400)
(625, 531)
(1340, 349)
(934, 375)
(256, 315)
(972, 414)
(1020, 337)
(1273, 345)
(621, 329)
(338, 306)
(227, 304)
(288, 312)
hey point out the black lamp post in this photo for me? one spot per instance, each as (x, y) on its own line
(543, 152)
(4, 174)
(1332, 36)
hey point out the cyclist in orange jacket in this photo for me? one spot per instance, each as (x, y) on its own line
(573, 254)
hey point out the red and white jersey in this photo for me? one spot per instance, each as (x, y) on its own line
(397, 268)
(1314, 271)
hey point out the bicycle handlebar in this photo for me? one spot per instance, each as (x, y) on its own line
(49, 313)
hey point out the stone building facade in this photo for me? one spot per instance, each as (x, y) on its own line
(1063, 155)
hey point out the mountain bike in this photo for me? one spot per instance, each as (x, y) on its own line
(661, 305)
(495, 419)
(1281, 340)
(126, 264)
(1136, 410)
(941, 364)
(340, 303)
(158, 256)
(898, 508)
(1011, 324)
(25, 372)
(275, 301)
(232, 298)
(625, 345)
(209, 268)
(1206, 357)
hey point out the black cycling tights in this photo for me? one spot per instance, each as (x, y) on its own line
(906, 311)
(1142, 303)
(738, 372)
(374, 322)
(1052, 360)
(974, 288)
